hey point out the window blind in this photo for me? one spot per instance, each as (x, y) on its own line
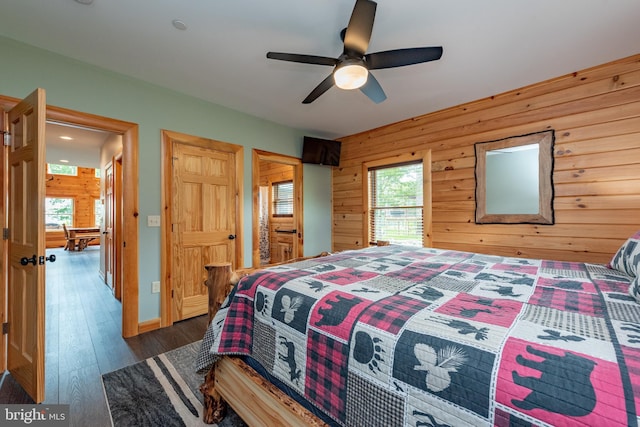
(396, 203)
(283, 198)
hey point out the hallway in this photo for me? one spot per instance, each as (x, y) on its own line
(84, 338)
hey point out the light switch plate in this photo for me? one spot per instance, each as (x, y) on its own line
(153, 221)
(155, 287)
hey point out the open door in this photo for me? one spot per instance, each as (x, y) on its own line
(109, 216)
(26, 243)
(286, 237)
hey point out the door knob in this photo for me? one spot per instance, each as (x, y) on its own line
(232, 236)
(26, 261)
(42, 259)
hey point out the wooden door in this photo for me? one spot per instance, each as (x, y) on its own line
(203, 220)
(267, 169)
(108, 224)
(116, 227)
(26, 304)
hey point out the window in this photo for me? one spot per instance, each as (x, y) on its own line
(396, 203)
(58, 211)
(62, 169)
(97, 211)
(282, 198)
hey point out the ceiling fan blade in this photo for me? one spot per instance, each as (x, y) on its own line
(358, 33)
(324, 86)
(373, 90)
(305, 59)
(402, 57)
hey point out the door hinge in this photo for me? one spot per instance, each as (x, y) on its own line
(6, 138)
(5, 328)
(5, 234)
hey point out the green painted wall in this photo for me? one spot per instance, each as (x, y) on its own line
(82, 87)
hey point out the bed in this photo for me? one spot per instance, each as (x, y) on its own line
(396, 335)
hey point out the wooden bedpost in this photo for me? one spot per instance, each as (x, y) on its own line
(218, 282)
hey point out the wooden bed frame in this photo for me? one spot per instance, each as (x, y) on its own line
(233, 382)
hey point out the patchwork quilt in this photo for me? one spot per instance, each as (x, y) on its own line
(394, 335)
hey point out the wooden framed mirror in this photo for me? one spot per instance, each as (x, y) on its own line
(276, 237)
(514, 180)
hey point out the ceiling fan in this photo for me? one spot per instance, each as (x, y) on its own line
(352, 68)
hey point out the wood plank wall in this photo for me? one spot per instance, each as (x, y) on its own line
(596, 117)
(84, 189)
(280, 243)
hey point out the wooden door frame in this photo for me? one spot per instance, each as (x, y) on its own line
(4, 246)
(166, 215)
(257, 157)
(129, 132)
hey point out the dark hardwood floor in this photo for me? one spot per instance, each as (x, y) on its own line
(84, 339)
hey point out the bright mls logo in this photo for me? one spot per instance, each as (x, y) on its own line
(34, 415)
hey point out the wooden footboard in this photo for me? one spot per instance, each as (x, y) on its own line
(230, 380)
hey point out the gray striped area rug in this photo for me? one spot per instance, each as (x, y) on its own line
(160, 391)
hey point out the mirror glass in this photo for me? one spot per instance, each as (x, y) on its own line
(514, 180)
(277, 208)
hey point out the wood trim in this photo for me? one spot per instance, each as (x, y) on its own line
(149, 325)
(4, 245)
(298, 212)
(427, 201)
(166, 240)
(129, 259)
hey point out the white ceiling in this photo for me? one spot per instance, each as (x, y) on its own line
(490, 47)
(83, 149)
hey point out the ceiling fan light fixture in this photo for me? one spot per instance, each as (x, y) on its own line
(350, 75)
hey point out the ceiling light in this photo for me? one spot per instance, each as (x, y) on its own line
(66, 138)
(351, 74)
(85, 1)
(64, 161)
(179, 24)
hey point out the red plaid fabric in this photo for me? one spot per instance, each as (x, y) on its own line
(576, 302)
(270, 279)
(563, 265)
(327, 373)
(237, 328)
(390, 314)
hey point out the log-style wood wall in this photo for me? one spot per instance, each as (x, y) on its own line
(281, 244)
(596, 117)
(83, 189)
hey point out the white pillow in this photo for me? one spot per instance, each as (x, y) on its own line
(627, 259)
